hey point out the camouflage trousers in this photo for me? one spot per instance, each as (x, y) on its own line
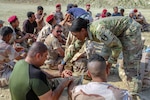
(53, 63)
(145, 70)
(129, 71)
(5, 73)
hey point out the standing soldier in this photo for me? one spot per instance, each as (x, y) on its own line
(118, 34)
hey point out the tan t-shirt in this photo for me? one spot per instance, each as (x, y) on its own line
(52, 44)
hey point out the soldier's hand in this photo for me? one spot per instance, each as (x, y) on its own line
(66, 73)
(67, 81)
(67, 16)
(108, 66)
(60, 68)
(27, 35)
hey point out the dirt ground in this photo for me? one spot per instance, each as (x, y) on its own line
(112, 79)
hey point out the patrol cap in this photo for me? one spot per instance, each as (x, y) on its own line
(12, 18)
(58, 5)
(49, 18)
(1, 22)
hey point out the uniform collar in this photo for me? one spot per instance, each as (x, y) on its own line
(89, 33)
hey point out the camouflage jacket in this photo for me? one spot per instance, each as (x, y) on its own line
(105, 30)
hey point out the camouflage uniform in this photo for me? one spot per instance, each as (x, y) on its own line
(52, 44)
(145, 69)
(58, 16)
(99, 91)
(46, 30)
(79, 61)
(7, 55)
(41, 24)
(118, 34)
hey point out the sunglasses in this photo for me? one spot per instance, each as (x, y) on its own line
(59, 31)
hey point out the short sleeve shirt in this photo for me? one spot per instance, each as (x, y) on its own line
(29, 27)
(53, 44)
(27, 82)
(7, 52)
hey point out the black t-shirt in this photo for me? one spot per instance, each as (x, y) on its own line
(29, 27)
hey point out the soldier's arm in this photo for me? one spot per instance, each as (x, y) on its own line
(111, 41)
(73, 48)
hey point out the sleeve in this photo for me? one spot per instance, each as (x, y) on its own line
(71, 11)
(73, 48)
(12, 53)
(55, 44)
(35, 24)
(25, 26)
(40, 86)
(111, 41)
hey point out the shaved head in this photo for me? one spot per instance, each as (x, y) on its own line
(97, 66)
(37, 47)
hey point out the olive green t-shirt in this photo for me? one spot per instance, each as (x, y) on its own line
(27, 82)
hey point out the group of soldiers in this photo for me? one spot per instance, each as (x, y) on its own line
(72, 40)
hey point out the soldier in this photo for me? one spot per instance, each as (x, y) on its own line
(145, 69)
(47, 29)
(55, 49)
(118, 34)
(40, 18)
(98, 89)
(7, 55)
(58, 14)
(18, 36)
(88, 6)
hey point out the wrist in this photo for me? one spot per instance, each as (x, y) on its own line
(63, 62)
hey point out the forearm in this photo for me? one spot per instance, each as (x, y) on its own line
(57, 92)
(20, 40)
(116, 50)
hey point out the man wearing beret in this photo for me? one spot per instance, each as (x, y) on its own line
(58, 13)
(18, 36)
(47, 29)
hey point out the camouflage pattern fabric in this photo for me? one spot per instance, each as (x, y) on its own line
(118, 34)
(53, 58)
(58, 16)
(145, 70)
(56, 81)
(7, 55)
(46, 30)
